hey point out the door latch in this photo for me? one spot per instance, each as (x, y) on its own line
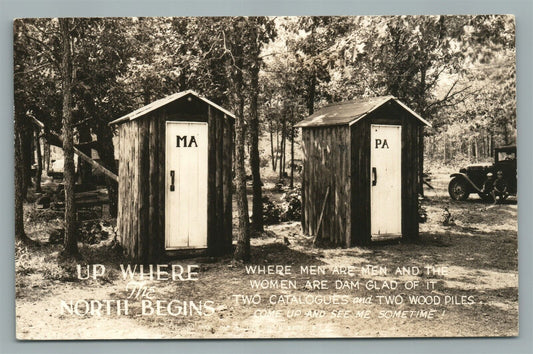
(172, 173)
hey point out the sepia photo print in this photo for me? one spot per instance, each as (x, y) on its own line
(265, 177)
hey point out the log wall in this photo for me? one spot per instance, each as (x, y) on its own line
(326, 164)
(141, 213)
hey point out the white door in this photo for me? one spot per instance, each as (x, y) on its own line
(186, 185)
(386, 179)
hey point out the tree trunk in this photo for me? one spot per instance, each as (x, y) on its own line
(278, 149)
(39, 171)
(84, 168)
(27, 154)
(257, 202)
(20, 235)
(106, 151)
(491, 143)
(71, 240)
(292, 158)
(242, 251)
(272, 153)
(422, 106)
(284, 156)
(505, 134)
(147, 98)
(19, 187)
(421, 161)
(282, 146)
(444, 150)
(46, 155)
(311, 94)
(433, 148)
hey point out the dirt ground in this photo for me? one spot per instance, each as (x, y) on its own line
(478, 251)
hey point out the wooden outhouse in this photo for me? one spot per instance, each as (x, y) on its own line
(175, 178)
(360, 171)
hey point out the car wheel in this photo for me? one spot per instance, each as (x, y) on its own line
(458, 189)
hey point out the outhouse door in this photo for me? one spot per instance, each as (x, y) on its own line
(386, 180)
(186, 185)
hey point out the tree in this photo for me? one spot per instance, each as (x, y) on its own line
(408, 57)
(20, 126)
(71, 238)
(235, 60)
(261, 30)
(39, 158)
(298, 69)
(313, 52)
(456, 71)
(104, 48)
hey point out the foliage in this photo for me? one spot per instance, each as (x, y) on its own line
(95, 231)
(436, 64)
(271, 212)
(456, 71)
(292, 205)
(27, 263)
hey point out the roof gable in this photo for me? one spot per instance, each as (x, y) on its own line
(138, 113)
(350, 112)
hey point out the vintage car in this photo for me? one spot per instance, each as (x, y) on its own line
(471, 179)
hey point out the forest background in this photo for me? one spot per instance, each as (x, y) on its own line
(76, 75)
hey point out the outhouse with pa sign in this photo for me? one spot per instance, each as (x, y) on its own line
(175, 178)
(360, 171)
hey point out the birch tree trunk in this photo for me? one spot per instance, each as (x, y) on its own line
(272, 153)
(242, 251)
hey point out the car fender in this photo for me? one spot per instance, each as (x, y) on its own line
(465, 177)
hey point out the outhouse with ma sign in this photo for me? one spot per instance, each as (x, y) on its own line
(361, 171)
(175, 178)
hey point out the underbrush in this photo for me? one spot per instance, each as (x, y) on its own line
(45, 267)
(41, 262)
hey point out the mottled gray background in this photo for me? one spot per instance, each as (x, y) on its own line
(523, 9)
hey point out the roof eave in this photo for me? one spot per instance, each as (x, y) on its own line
(413, 113)
(298, 125)
(130, 116)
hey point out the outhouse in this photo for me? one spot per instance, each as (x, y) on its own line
(360, 171)
(175, 178)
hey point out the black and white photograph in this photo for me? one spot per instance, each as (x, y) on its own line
(265, 177)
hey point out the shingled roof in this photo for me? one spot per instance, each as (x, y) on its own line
(350, 112)
(164, 101)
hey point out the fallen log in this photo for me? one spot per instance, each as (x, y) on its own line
(96, 165)
(54, 139)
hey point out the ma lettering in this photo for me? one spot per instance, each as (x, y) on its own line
(183, 139)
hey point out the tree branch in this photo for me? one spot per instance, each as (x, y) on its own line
(227, 51)
(48, 52)
(32, 70)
